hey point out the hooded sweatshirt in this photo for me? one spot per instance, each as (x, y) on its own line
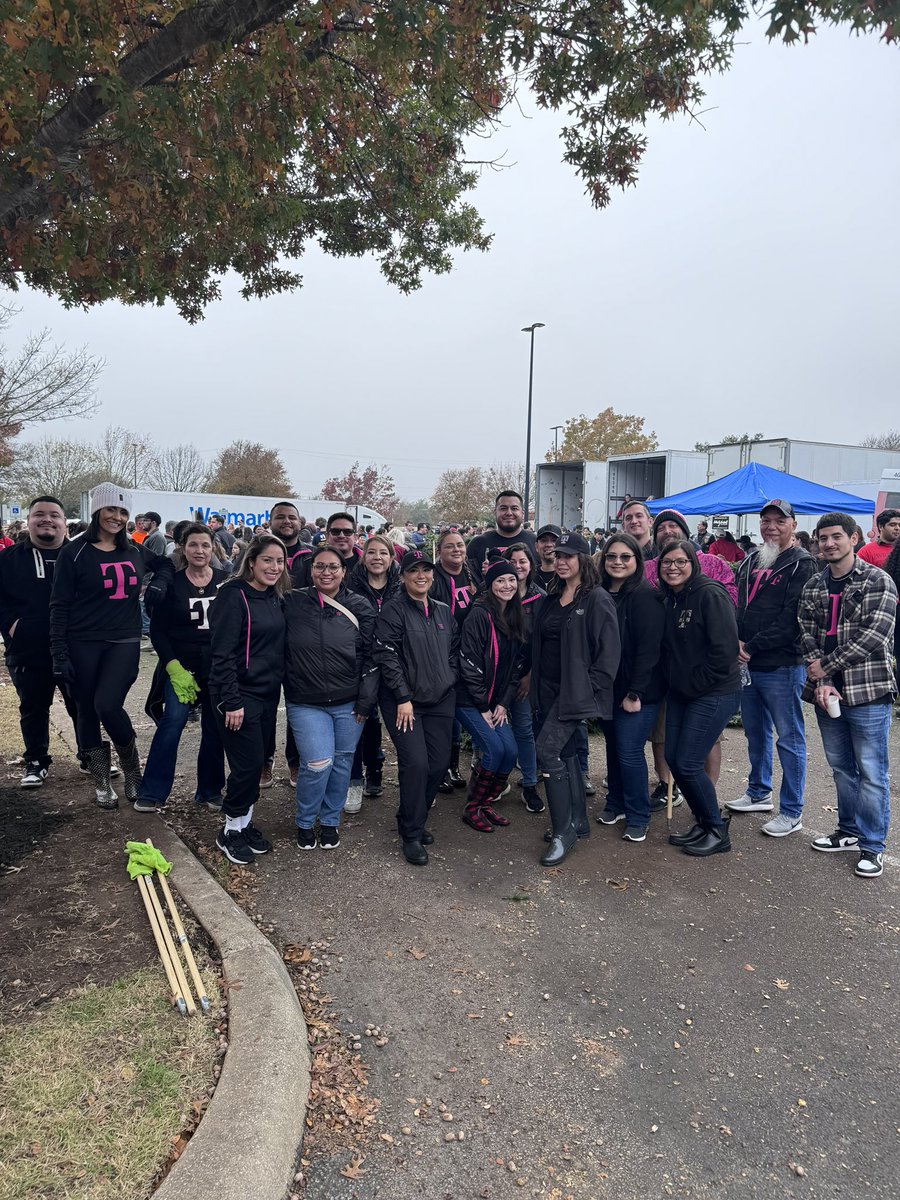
(26, 577)
(701, 640)
(247, 643)
(768, 603)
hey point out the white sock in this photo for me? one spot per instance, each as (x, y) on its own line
(233, 824)
(246, 818)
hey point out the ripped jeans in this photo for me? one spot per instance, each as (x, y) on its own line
(326, 736)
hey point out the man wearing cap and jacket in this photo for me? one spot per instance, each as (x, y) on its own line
(547, 537)
(770, 582)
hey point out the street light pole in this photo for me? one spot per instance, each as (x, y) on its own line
(529, 329)
(554, 429)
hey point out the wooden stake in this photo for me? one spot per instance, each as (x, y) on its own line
(669, 789)
(183, 941)
(170, 946)
(161, 947)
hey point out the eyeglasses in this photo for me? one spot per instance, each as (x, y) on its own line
(340, 532)
(326, 570)
(619, 558)
(679, 563)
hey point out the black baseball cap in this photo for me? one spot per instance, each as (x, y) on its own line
(572, 543)
(414, 558)
(554, 529)
(784, 507)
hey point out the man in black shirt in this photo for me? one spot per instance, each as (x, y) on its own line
(509, 515)
(26, 577)
(547, 537)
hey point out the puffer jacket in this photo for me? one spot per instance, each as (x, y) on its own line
(328, 660)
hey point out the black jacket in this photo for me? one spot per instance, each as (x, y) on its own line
(590, 655)
(26, 578)
(531, 605)
(642, 622)
(357, 581)
(297, 562)
(490, 663)
(701, 640)
(327, 659)
(768, 603)
(247, 641)
(417, 650)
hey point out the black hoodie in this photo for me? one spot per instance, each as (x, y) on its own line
(247, 642)
(26, 577)
(490, 662)
(357, 581)
(768, 603)
(701, 640)
(641, 625)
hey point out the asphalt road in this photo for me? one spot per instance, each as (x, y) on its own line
(632, 1024)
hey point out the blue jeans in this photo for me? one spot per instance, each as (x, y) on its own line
(692, 728)
(772, 701)
(626, 765)
(856, 747)
(521, 719)
(498, 746)
(159, 773)
(326, 736)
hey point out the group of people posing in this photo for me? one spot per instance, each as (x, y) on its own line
(517, 639)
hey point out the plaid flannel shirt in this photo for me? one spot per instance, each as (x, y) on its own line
(865, 633)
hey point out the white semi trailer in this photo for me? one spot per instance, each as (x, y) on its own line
(235, 510)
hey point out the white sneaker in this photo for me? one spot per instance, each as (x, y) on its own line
(354, 798)
(782, 825)
(34, 776)
(748, 803)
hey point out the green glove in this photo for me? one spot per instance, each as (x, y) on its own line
(184, 685)
(144, 860)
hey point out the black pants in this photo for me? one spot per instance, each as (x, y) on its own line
(35, 685)
(555, 740)
(423, 758)
(291, 753)
(104, 673)
(369, 753)
(247, 749)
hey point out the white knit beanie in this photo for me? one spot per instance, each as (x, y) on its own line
(110, 495)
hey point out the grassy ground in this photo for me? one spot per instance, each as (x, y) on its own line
(101, 1081)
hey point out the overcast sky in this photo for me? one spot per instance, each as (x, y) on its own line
(749, 282)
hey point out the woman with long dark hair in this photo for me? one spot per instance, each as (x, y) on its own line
(330, 685)
(454, 585)
(376, 578)
(704, 687)
(179, 631)
(638, 688)
(247, 667)
(575, 657)
(521, 714)
(491, 646)
(95, 634)
(417, 649)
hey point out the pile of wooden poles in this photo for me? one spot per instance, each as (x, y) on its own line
(165, 944)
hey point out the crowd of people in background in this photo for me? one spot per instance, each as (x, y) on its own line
(513, 639)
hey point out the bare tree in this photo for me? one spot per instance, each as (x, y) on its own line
(42, 383)
(883, 441)
(55, 467)
(123, 456)
(177, 469)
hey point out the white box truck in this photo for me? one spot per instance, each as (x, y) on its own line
(234, 510)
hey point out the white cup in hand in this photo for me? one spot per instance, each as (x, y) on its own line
(833, 706)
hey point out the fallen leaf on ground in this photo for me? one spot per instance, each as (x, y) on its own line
(353, 1170)
(618, 885)
(782, 985)
(747, 967)
(296, 954)
(416, 952)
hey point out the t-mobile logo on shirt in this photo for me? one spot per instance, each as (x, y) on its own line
(835, 605)
(199, 609)
(122, 576)
(760, 577)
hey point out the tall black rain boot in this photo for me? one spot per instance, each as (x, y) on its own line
(130, 761)
(559, 801)
(453, 774)
(580, 818)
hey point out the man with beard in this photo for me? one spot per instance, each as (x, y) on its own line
(770, 582)
(636, 520)
(878, 552)
(509, 515)
(26, 577)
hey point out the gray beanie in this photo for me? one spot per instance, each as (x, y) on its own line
(110, 495)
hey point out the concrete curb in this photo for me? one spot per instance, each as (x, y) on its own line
(248, 1140)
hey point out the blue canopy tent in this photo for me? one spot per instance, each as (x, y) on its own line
(747, 489)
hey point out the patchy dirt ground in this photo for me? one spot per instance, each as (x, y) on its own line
(632, 1023)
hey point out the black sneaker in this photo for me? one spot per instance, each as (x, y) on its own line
(255, 840)
(329, 837)
(33, 775)
(372, 788)
(213, 803)
(143, 805)
(589, 789)
(659, 798)
(306, 839)
(635, 833)
(609, 816)
(870, 864)
(234, 846)
(832, 843)
(532, 800)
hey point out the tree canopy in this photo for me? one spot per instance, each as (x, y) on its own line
(594, 439)
(373, 486)
(249, 469)
(147, 148)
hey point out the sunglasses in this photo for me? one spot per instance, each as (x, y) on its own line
(330, 570)
(340, 532)
(620, 558)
